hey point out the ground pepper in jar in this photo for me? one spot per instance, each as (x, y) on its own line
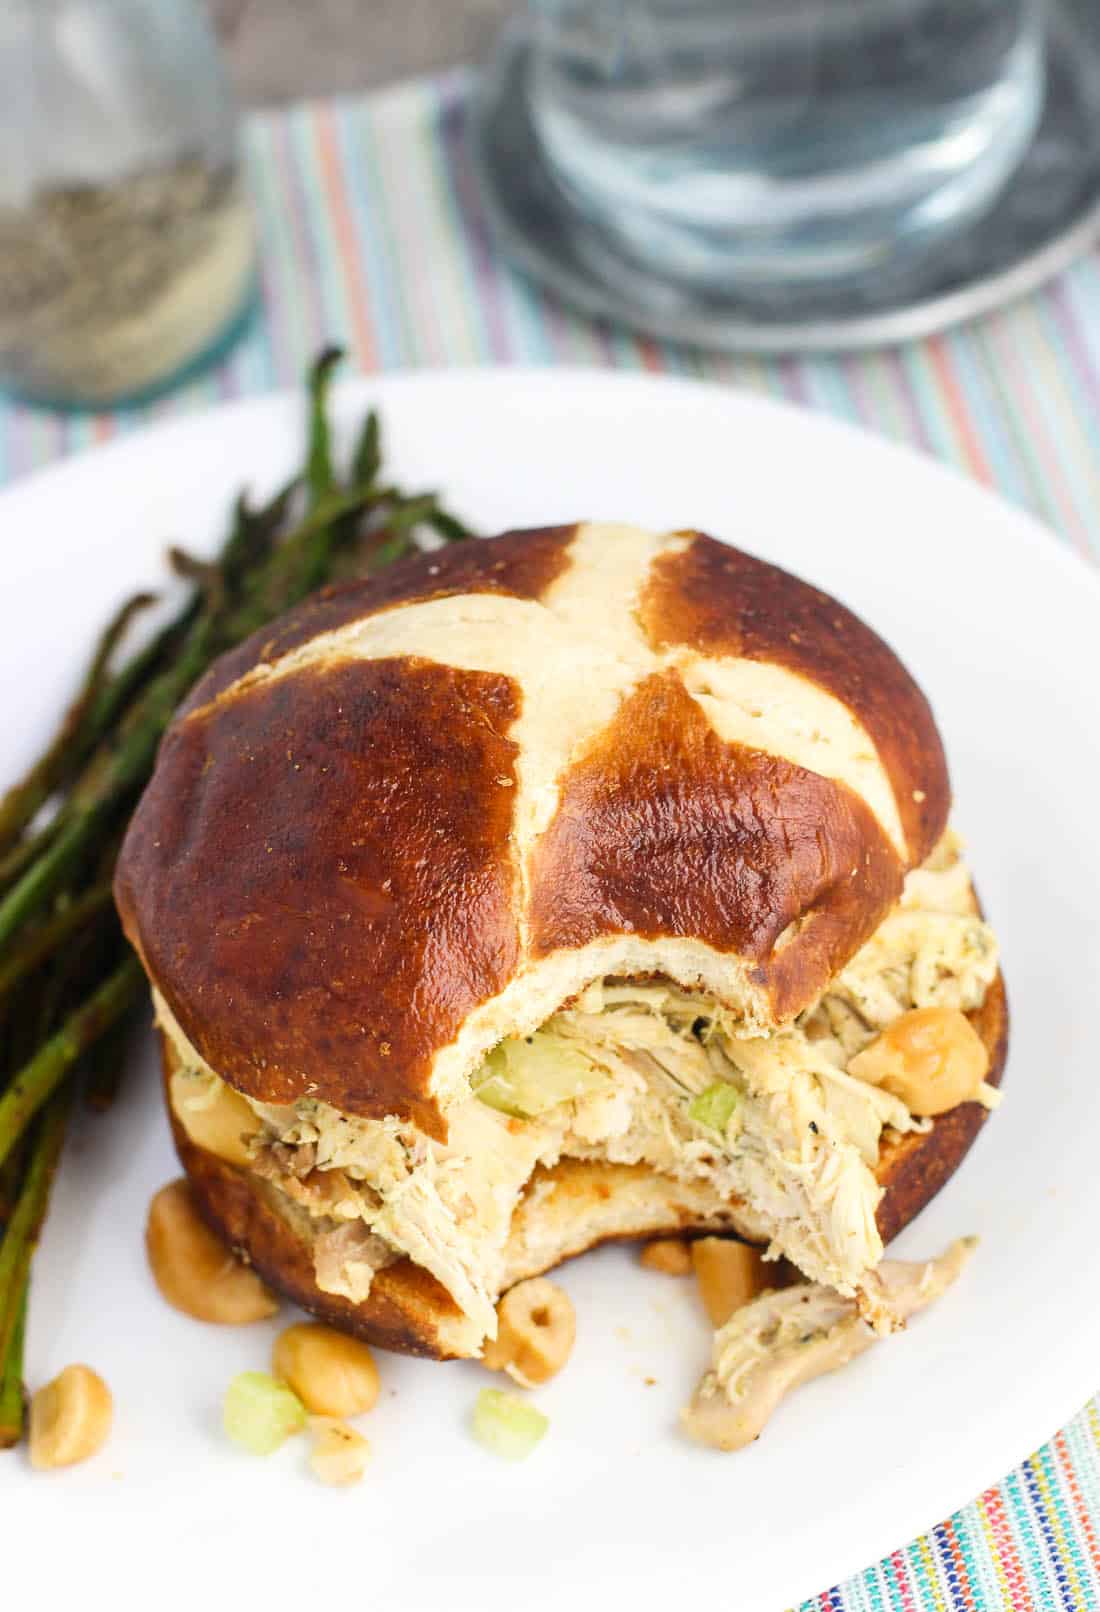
(107, 289)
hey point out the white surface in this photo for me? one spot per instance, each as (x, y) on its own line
(1002, 628)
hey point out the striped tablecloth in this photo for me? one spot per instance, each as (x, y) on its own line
(372, 236)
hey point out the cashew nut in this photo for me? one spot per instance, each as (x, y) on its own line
(340, 1454)
(536, 1329)
(669, 1255)
(194, 1271)
(332, 1374)
(932, 1058)
(729, 1274)
(70, 1418)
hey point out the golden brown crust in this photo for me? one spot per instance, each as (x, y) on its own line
(409, 1311)
(333, 869)
(319, 878)
(718, 600)
(520, 564)
(663, 828)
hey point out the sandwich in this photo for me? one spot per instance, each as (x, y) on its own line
(581, 883)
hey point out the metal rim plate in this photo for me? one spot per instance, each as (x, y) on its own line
(1047, 218)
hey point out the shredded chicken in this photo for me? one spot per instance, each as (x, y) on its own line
(781, 1340)
(347, 1257)
(627, 1073)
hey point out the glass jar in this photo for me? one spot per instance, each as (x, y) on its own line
(126, 240)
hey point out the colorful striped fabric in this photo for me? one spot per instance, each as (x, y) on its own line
(372, 236)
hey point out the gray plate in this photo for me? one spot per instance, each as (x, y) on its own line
(1048, 216)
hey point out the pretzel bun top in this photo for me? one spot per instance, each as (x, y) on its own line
(423, 810)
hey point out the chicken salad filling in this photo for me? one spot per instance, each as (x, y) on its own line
(781, 1340)
(641, 1072)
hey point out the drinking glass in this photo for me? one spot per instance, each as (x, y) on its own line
(778, 143)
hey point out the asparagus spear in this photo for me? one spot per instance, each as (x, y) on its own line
(61, 978)
(113, 775)
(19, 805)
(37, 1081)
(366, 460)
(320, 471)
(109, 780)
(251, 538)
(11, 1183)
(107, 1065)
(447, 527)
(43, 941)
(12, 1397)
(103, 699)
(14, 863)
(21, 1236)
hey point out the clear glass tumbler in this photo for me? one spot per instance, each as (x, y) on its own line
(727, 143)
(126, 240)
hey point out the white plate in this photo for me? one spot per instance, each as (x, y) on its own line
(1001, 627)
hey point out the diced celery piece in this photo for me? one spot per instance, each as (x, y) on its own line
(261, 1413)
(526, 1078)
(492, 1085)
(714, 1107)
(507, 1424)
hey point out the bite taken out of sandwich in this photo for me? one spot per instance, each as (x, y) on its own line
(581, 883)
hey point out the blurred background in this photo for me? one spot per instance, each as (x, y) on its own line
(885, 209)
(283, 50)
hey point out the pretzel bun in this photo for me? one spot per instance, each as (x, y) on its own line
(425, 809)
